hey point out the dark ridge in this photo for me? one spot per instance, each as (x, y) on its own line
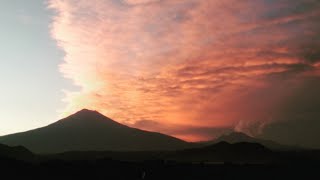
(16, 152)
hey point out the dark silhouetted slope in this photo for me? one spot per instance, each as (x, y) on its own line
(89, 130)
(17, 152)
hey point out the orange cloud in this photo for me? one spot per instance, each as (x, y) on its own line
(187, 64)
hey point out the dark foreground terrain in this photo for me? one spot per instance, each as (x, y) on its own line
(109, 169)
(219, 161)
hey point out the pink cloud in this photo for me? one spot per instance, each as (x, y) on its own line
(192, 63)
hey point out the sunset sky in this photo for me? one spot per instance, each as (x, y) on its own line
(194, 69)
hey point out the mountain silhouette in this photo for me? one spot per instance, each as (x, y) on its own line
(17, 152)
(89, 130)
(237, 137)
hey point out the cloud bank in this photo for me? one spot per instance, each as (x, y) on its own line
(168, 65)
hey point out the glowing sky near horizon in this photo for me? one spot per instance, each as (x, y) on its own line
(191, 68)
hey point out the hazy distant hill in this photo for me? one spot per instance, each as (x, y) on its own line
(17, 152)
(237, 137)
(89, 130)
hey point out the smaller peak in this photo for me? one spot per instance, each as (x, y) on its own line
(235, 137)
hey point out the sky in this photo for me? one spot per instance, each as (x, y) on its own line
(194, 69)
(31, 84)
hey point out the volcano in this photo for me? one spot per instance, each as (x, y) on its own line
(89, 130)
